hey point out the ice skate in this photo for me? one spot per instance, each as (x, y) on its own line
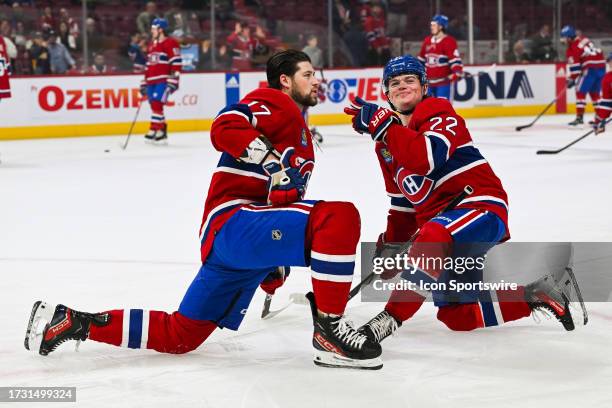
(48, 327)
(559, 298)
(338, 344)
(150, 136)
(577, 122)
(161, 136)
(380, 327)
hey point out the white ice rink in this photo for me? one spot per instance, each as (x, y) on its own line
(98, 230)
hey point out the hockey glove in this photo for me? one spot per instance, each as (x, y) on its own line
(143, 89)
(275, 279)
(387, 250)
(570, 83)
(371, 118)
(288, 178)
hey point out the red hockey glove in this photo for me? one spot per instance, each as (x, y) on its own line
(371, 118)
(288, 178)
(387, 250)
(275, 279)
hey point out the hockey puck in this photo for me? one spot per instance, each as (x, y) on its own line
(106, 151)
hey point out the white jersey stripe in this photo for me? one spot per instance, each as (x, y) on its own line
(498, 313)
(224, 169)
(459, 171)
(145, 329)
(219, 208)
(332, 258)
(485, 198)
(468, 223)
(332, 278)
(125, 333)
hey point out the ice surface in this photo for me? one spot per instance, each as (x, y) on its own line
(98, 230)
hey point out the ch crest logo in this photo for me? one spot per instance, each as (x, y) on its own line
(277, 235)
(414, 187)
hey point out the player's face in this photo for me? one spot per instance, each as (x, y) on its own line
(304, 85)
(434, 28)
(155, 32)
(406, 91)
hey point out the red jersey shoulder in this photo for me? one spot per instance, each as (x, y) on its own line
(429, 108)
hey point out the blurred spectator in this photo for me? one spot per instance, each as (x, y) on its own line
(11, 49)
(5, 29)
(61, 60)
(313, 51)
(73, 26)
(457, 28)
(136, 55)
(242, 45)
(99, 65)
(144, 19)
(19, 34)
(341, 16)
(94, 38)
(542, 49)
(375, 28)
(518, 54)
(261, 51)
(224, 59)
(396, 17)
(40, 60)
(190, 53)
(357, 43)
(65, 37)
(205, 62)
(47, 21)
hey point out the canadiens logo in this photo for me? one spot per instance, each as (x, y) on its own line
(414, 187)
(386, 155)
(304, 138)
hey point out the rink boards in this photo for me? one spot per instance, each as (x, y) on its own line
(68, 106)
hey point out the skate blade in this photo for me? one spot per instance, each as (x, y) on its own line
(41, 315)
(333, 360)
(576, 302)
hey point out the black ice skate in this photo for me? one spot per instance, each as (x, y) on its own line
(150, 136)
(338, 344)
(558, 298)
(380, 327)
(161, 136)
(47, 328)
(578, 121)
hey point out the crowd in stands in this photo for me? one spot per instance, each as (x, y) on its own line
(49, 35)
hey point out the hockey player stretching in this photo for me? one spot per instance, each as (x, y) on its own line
(441, 57)
(5, 63)
(586, 66)
(255, 219)
(427, 157)
(161, 78)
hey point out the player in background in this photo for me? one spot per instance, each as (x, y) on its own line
(441, 57)
(604, 107)
(255, 220)
(161, 78)
(427, 157)
(7, 51)
(586, 67)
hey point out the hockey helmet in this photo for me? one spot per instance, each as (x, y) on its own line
(441, 19)
(406, 64)
(568, 32)
(160, 23)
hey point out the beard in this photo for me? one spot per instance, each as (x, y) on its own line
(304, 99)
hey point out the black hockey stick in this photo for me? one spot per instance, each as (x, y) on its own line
(127, 140)
(519, 128)
(568, 145)
(467, 190)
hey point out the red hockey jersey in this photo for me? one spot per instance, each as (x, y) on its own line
(5, 63)
(375, 28)
(163, 59)
(604, 106)
(242, 50)
(428, 163)
(235, 183)
(581, 55)
(441, 59)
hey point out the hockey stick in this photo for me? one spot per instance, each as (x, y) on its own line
(519, 128)
(568, 145)
(297, 298)
(127, 140)
(467, 190)
(479, 73)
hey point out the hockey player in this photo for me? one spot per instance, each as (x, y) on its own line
(161, 78)
(427, 157)
(255, 219)
(586, 67)
(441, 57)
(5, 64)
(604, 107)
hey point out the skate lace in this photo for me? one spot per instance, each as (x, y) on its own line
(383, 325)
(347, 333)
